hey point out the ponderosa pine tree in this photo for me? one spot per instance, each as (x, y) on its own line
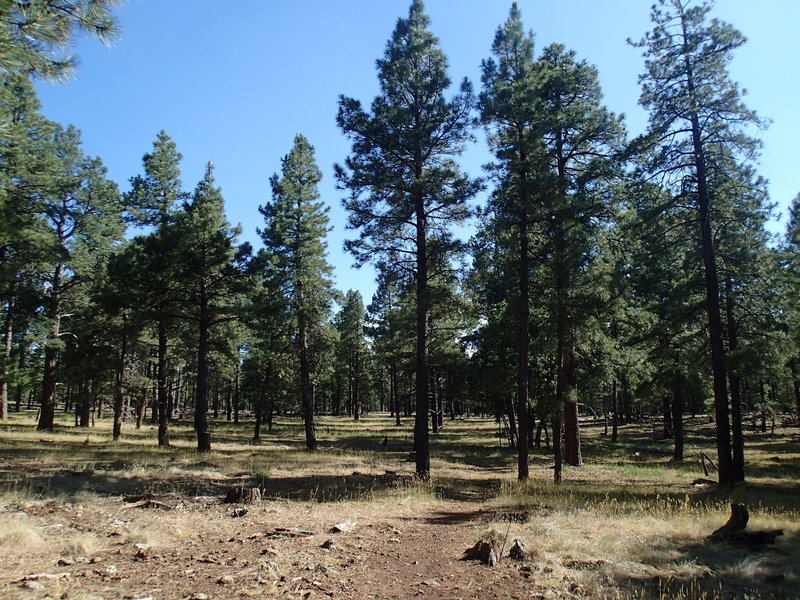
(294, 237)
(146, 269)
(696, 111)
(352, 348)
(83, 213)
(510, 108)
(406, 192)
(26, 161)
(211, 280)
(791, 295)
(35, 33)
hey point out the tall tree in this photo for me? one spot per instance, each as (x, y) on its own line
(406, 192)
(146, 269)
(294, 237)
(210, 276)
(511, 106)
(352, 348)
(696, 113)
(84, 216)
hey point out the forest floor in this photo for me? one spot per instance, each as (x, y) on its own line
(82, 518)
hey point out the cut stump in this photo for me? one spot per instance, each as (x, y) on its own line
(243, 495)
(483, 552)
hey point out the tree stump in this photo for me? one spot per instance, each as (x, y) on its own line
(737, 521)
(518, 550)
(243, 495)
(483, 552)
(734, 533)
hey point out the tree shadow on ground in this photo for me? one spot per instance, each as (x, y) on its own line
(726, 570)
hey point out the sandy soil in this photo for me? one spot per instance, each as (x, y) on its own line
(105, 548)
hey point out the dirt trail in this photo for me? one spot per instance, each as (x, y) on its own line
(198, 550)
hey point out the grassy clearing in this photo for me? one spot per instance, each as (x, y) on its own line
(630, 523)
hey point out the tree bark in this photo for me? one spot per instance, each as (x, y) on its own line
(614, 411)
(161, 391)
(721, 411)
(421, 440)
(796, 386)
(201, 399)
(735, 386)
(557, 468)
(677, 419)
(306, 393)
(119, 385)
(51, 355)
(5, 359)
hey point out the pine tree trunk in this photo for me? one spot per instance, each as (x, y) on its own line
(140, 408)
(796, 386)
(523, 318)
(395, 396)
(201, 397)
(614, 411)
(722, 414)
(735, 387)
(84, 404)
(259, 407)
(557, 468)
(677, 419)
(22, 349)
(119, 384)
(421, 440)
(572, 433)
(51, 356)
(237, 394)
(433, 402)
(161, 391)
(5, 359)
(666, 406)
(307, 398)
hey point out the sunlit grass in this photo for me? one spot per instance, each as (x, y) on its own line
(629, 523)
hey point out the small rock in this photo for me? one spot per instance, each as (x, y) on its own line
(239, 512)
(225, 580)
(343, 527)
(327, 544)
(198, 596)
(65, 562)
(32, 585)
(112, 570)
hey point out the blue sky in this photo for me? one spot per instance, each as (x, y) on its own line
(234, 82)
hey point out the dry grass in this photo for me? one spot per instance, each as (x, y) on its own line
(627, 524)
